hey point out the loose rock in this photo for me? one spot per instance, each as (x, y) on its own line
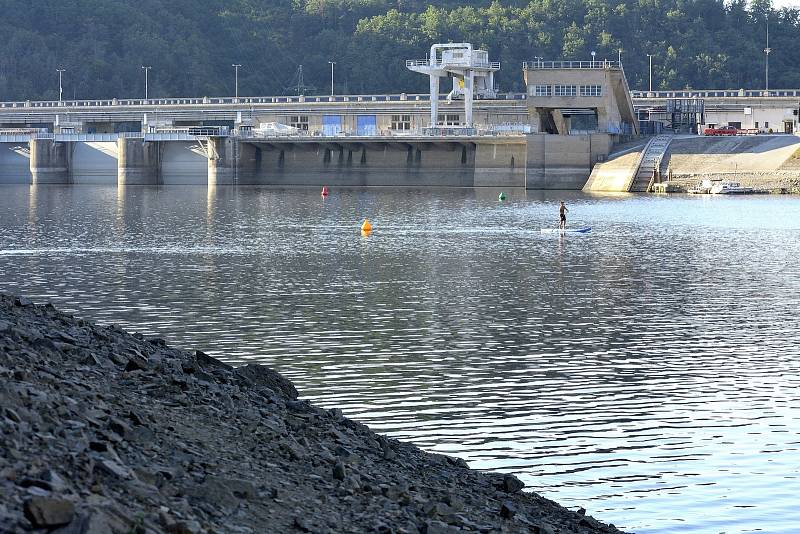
(107, 432)
(46, 512)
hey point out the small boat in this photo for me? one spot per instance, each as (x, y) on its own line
(703, 188)
(584, 230)
(730, 188)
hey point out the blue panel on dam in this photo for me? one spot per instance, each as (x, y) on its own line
(366, 125)
(331, 124)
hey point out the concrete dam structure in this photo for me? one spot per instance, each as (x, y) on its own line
(579, 109)
(571, 129)
(182, 159)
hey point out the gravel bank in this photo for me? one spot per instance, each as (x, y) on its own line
(103, 431)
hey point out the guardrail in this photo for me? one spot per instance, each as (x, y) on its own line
(68, 106)
(451, 63)
(718, 93)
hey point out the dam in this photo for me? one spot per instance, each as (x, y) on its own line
(474, 137)
(576, 127)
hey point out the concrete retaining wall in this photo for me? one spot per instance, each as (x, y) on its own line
(500, 164)
(703, 155)
(563, 161)
(614, 175)
(373, 164)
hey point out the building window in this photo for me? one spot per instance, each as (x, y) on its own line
(449, 119)
(756, 124)
(299, 121)
(543, 90)
(566, 90)
(401, 122)
(766, 124)
(590, 90)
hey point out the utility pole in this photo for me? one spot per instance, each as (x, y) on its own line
(236, 75)
(651, 71)
(332, 64)
(767, 50)
(60, 87)
(299, 79)
(146, 69)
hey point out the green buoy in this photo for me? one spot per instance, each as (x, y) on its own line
(501, 196)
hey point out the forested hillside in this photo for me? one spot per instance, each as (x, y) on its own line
(192, 44)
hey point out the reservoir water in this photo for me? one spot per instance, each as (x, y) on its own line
(648, 371)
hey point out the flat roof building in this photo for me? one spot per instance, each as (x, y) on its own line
(578, 97)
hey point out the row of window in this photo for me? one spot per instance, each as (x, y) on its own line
(567, 90)
(299, 121)
(401, 122)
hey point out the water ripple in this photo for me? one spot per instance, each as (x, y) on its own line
(648, 371)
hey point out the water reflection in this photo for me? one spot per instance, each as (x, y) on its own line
(648, 371)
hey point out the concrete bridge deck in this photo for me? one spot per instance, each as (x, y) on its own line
(508, 107)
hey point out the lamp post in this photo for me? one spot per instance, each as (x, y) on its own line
(332, 64)
(60, 88)
(538, 60)
(651, 71)
(593, 54)
(767, 50)
(619, 57)
(146, 69)
(236, 78)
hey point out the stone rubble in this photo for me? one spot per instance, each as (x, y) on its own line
(102, 431)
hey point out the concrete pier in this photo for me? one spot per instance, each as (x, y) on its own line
(139, 161)
(223, 160)
(50, 161)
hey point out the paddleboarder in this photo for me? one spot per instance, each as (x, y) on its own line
(562, 211)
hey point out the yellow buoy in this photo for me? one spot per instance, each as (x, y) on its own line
(366, 227)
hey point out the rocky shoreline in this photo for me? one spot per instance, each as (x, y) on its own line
(102, 431)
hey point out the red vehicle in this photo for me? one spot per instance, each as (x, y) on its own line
(721, 130)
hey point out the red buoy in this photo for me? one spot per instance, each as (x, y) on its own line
(324, 190)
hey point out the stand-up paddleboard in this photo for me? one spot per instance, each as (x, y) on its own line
(584, 230)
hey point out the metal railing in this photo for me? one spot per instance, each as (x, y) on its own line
(534, 65)
(155, 104)
(466, 63)
(718, 93)
(67, 106)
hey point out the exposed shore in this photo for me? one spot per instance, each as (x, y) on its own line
(104, 431)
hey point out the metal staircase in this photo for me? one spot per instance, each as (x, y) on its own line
(651, 159)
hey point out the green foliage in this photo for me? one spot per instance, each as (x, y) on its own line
(191, 45)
